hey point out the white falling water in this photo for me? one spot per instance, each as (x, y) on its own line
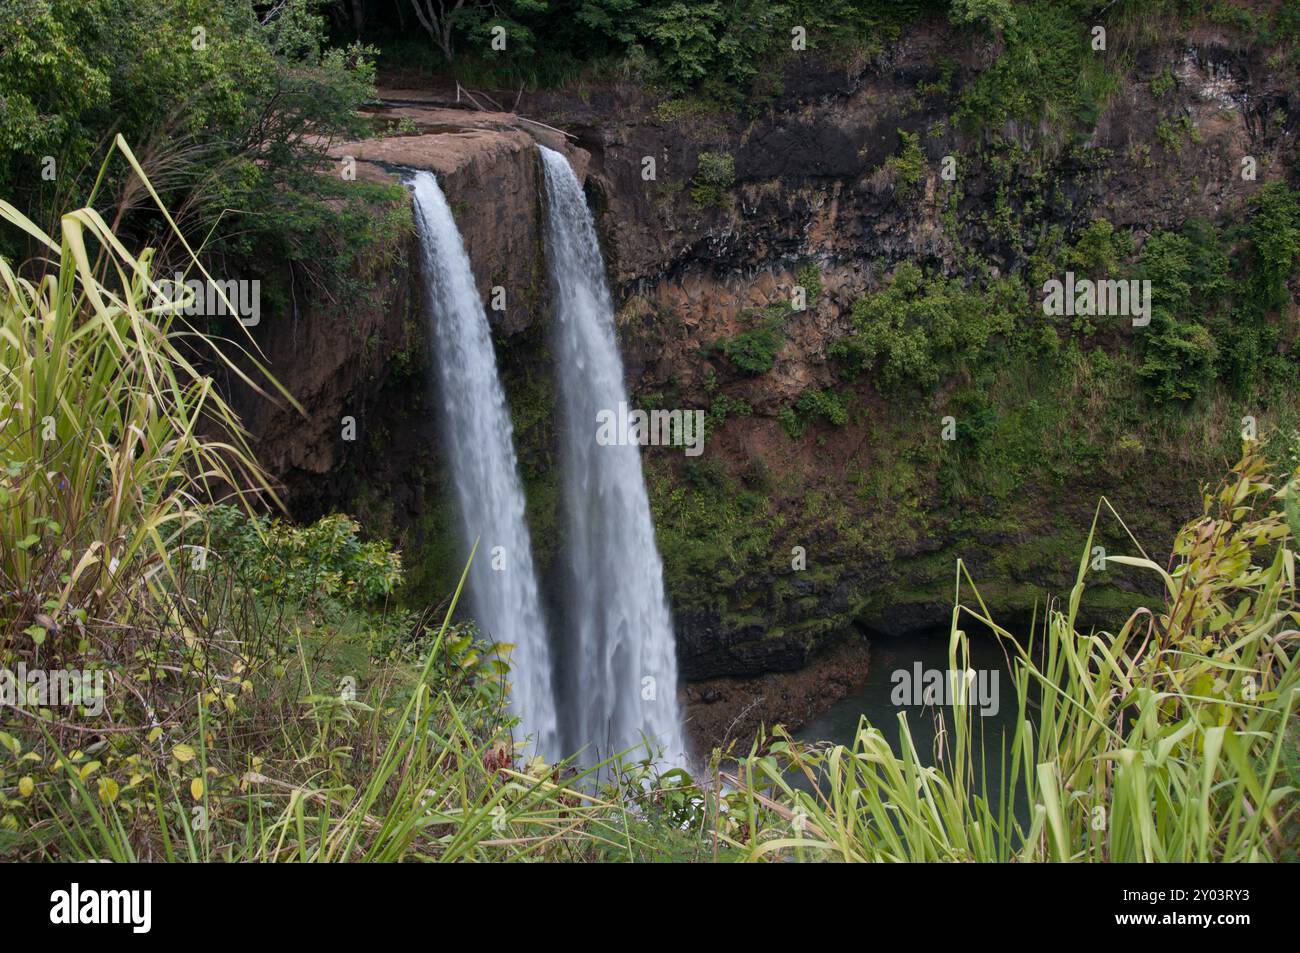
(619, 671)
(478, 432)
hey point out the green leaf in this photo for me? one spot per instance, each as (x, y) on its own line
(1293, 512)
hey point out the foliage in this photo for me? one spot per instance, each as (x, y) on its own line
(103, 423)
(1046, 69)
(324, 559)
(413, 760)
(708, 527)
(1175, 133)
(1163, 742)
(790, 422)
(722, 407)
(1178, 359)
(992, 14)
(907, 167)
(814, 403)
(683, 36)
(727, 51)
(227, 112)
(1179, 354)
(913, 327)
(1275, 242)
(1162, 83)
(1099, 249)
(809, 278)
(715, 174)
(754, 351)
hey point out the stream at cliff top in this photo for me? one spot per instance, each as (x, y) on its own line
(926, 652)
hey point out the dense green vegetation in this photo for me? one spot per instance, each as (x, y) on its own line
(244, 735)
(1173, 394)
(1127, 758)
(715, 174)
(723, 48)
(754, 350)
(912, 331)
(230, 108)
(274, 698)
(1213, 322)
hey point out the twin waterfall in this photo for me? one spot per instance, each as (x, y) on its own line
(604, 679)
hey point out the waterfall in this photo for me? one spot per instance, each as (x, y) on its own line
(618, 673)
(480, 450)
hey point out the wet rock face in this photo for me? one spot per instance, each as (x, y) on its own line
(733, 708)
(364, 360)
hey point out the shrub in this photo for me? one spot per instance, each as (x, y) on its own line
(1162, 83)
(825, 403)
(1100, 248)
(683, 36)
(755, 351)
(714, 175)
(1275, 242)
(809, 278)
(1175, 133)
(303, 563)
(906, 168)
(1044, 71)
(1178, 358)
(722, 407)
(913, 327)
(994, 15)
(812, 404)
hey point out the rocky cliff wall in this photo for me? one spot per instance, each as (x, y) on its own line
(822, 192)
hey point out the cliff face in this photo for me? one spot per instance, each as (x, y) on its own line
(818, 190)
(824, 194)
(368, 437)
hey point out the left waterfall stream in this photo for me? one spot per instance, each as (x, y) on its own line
(480, 453)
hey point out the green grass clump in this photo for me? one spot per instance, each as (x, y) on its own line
(104, 415)
(1165, 741)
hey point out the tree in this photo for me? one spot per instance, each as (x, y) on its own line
(438, 17)
(995, 15)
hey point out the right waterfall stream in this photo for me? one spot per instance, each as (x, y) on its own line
(617, 664)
